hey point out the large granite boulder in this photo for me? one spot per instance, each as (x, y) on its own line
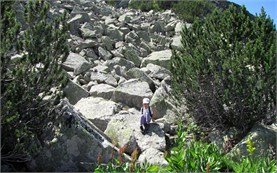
(119, 71)
(119, 61)
(132, 55)
(97, 110)
(65, 152)
(132, 37)
(114, 33)
(102, 69)
(176, 43)
(178, 27)
(75, 62)
(88, 33)
(161, 40)
(161, 58)
(126, 17)
(82, 68)
(154, 138)
(77, 44)
(117, 52)
(100, 78)
(121, 133)
(124, 30)
(139, 74)
(157, 27)
(158, 101)
(72, 146)
(107, 43)
(76, 21)
(263, 138)
(170, 26)
(90, 54)
(106, 10)
(132, 92)
(157, 72)
(109, 20)
(89, 30)
(104, 54)
(153, 156)
(124, 129)
(87, 43)
(102, 90)
(144, 36)
(74, 92)
(145, 46)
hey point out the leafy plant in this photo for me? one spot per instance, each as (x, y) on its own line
(250, 163)
(118, 165)
(250, 146)
(127, 167)
(253, 165)
(190, 155)
(194, 156)
(113, 167)
(226, 69)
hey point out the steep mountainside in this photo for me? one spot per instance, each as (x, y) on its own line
(117, 58)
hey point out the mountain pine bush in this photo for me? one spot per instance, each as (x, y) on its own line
(30, 71)
(145, 5)
(189, 10)
(227, 69)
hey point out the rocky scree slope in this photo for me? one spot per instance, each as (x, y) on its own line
(118, 57)
(72, 143)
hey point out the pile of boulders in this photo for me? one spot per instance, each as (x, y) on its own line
(118, 57)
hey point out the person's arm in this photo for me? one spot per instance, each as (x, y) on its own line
(154, 114)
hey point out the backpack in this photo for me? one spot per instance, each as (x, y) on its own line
(148, 110)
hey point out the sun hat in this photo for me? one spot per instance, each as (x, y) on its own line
(146, 101)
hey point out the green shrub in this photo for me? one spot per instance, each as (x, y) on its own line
(166, 4)
(113, 167)
(112, 2)
(127, 167)
(190, 155)
(194, 156)
(253, 165)
(119, 165)
(226, 69)
(27, 79)
(145, 5)
(189, 10)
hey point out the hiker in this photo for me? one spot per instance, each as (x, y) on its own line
(146, 115)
